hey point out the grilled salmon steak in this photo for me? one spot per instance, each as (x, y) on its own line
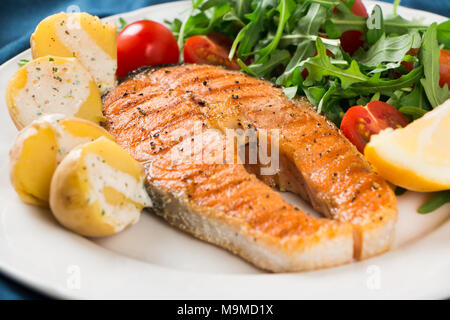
(159, 115)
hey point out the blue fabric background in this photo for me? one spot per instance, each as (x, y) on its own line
(20, 17)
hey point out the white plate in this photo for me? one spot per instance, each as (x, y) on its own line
(153, 260)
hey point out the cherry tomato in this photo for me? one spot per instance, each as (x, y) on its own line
(210, 49)
(444, 67)
(359, 122)
(359, 9)
(145, 43)
(351, 41)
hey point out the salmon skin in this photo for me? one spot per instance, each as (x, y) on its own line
(232, 204)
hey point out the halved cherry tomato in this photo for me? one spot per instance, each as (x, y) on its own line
(359, 9)
(352, 40)
(210, 49)
(444, 67)
(359, 122)
(145, 43)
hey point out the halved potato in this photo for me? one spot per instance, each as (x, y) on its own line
(83, 36)
(39, 148)
(52, 85)
(98, 189)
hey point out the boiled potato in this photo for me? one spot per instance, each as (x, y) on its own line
(52, 85)
(98, 189)
(39, 148)
(83, 36)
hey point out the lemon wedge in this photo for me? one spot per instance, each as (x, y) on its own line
(416, 157)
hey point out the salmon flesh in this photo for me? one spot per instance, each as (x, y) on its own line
(176, 121)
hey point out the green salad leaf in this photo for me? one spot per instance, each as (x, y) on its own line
(389, 50)
(320, 66)
(437, 201)
(443, 34)
(285, 8)
(430, 57)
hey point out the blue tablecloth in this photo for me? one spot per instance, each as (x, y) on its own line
(20, 17)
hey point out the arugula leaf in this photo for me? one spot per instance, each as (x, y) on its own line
(308, 25)
(249, 36)
(437, 201)
(395, 98)
(343, 19)
(413, 112)
(264, 68)
(386, 87)
(416, 98)
(290, 92)
(315, 94)
(326, 97)
(397, 25)
(333, 109)
(443, 34)
(242, 7)
(210, 17)
(285, 9)
(388, 50)
(303, 51)
(312, 21)
(320, 66)
(233, 16)
(430, 57)
(203, 17)
(331, 30)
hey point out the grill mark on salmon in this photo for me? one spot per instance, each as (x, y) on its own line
(213, 201)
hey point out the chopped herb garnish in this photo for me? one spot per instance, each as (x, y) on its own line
(69, 95)
(22, 62)
(51, 59)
